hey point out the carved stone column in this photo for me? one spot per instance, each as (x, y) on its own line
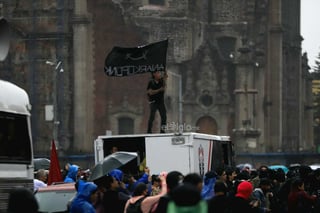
(274, 78)
(83, 100)
(245, 132)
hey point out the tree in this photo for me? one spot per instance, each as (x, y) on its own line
(316, 94)
(316, 69)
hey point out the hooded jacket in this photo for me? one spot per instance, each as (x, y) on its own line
(72, 174)
(207, 190)
(244, 190)
(82, 202)
(117, 174)
(240, 203)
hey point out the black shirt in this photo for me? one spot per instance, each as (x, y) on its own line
(218, 203)
(153, 85)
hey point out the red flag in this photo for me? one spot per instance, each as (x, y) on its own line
(54, 171)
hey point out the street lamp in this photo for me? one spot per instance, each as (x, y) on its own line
(57, 68)
(57, 65)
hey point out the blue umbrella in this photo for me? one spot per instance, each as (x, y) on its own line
(276, 167)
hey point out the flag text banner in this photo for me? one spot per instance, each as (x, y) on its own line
(122, 61)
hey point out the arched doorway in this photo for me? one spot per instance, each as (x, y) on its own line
(207, 125)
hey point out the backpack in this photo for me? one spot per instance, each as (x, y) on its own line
(135, 207)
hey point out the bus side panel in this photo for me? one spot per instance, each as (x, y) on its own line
(6, 185)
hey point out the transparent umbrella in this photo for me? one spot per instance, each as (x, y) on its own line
(112, 161)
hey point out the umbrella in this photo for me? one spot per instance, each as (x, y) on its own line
(276, 167)
(244, 166)
(112, 161)
(41, 163)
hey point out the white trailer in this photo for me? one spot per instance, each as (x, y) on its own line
(185, 152)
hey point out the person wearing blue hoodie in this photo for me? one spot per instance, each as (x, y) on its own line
(73, 172)
(208, 185)
(123, 192)
(85, 198)
(131, 182)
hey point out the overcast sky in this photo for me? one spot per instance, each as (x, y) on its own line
(310, 29)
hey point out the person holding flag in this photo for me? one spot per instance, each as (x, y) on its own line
(155, 91)
(128, 61)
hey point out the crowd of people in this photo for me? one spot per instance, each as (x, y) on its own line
(225, 189)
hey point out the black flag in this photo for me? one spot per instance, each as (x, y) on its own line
(122, 61)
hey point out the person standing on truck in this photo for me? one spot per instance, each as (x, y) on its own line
(155, 91)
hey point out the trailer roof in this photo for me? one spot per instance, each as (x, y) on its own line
(189, 134)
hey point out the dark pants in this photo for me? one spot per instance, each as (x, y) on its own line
(163, 115)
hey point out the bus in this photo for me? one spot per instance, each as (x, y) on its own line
(16, 151)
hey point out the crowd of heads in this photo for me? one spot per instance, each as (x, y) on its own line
(223, 188)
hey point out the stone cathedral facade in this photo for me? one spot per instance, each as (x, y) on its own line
(235, 68)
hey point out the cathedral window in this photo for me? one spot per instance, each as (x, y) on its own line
(157, 2)
(125, 125)
(206, 99)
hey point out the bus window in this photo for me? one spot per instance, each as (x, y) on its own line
(14, 139)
